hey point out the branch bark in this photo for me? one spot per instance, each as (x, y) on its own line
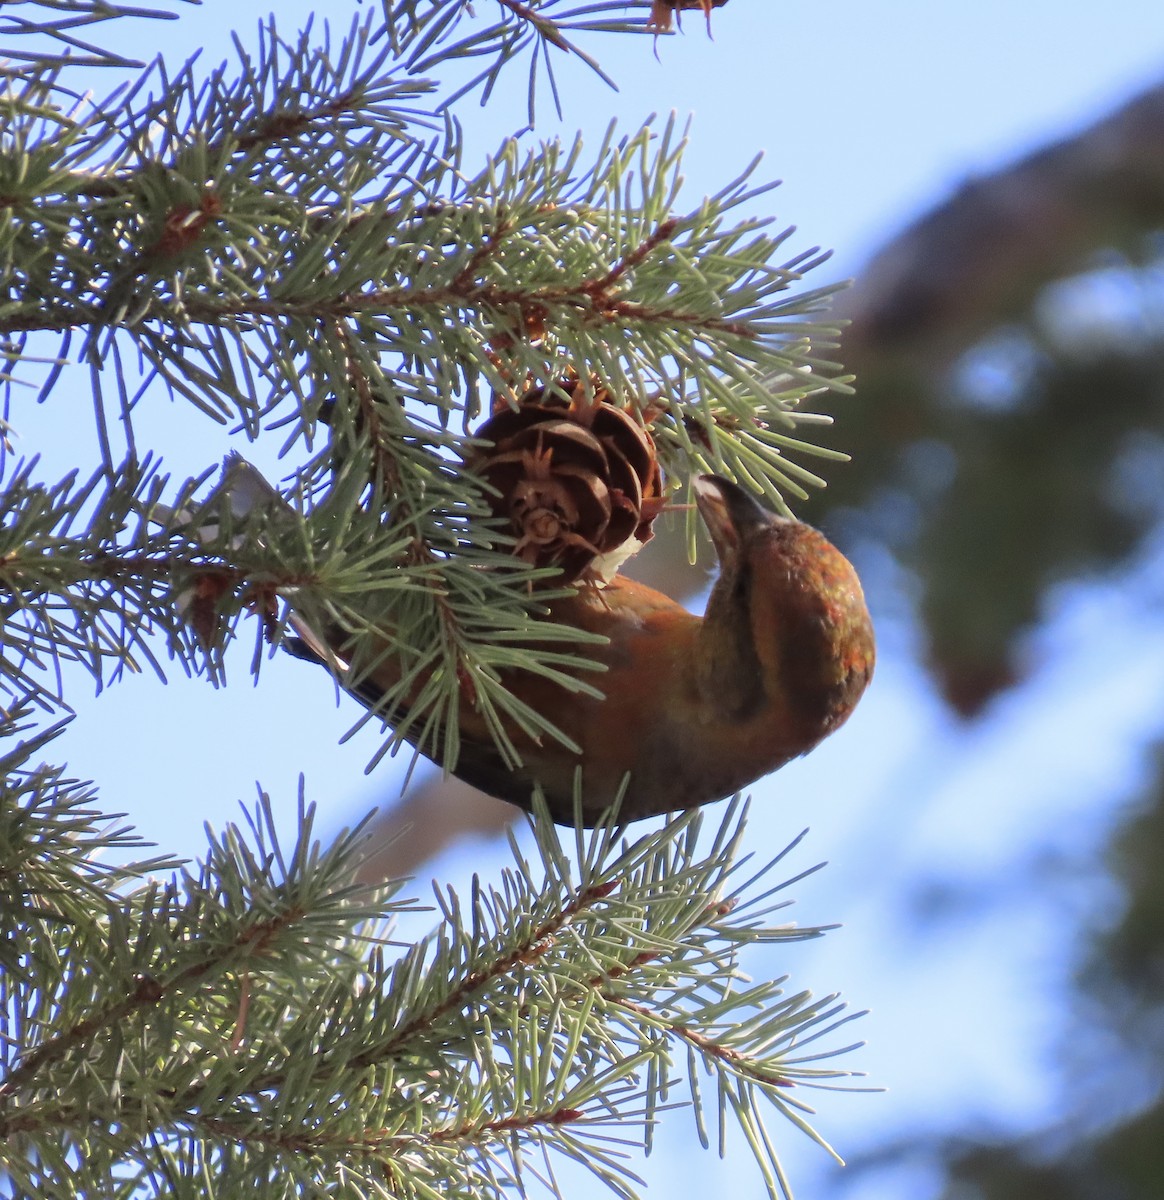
(980, 257)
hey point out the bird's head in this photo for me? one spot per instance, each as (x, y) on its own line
(786, 619)
(733, 517)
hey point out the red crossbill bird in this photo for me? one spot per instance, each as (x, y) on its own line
(693, 708)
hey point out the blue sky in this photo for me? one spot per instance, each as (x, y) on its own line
(869, 114)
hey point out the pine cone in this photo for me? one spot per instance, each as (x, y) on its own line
(661, 10)
(578, 479)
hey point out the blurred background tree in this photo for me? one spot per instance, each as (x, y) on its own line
(1009, 348)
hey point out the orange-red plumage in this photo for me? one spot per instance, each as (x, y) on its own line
(694, 708)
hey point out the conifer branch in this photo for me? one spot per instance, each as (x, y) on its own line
(292, 242)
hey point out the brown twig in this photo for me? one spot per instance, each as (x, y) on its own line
(545, 27)
(664, 233)
(583, 296)
(741, 1063)
(147, 992)
(270, 128)
(533, 947)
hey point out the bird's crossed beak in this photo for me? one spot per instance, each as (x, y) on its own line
(730, 513)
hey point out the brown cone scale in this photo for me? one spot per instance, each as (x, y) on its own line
(575, 477)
